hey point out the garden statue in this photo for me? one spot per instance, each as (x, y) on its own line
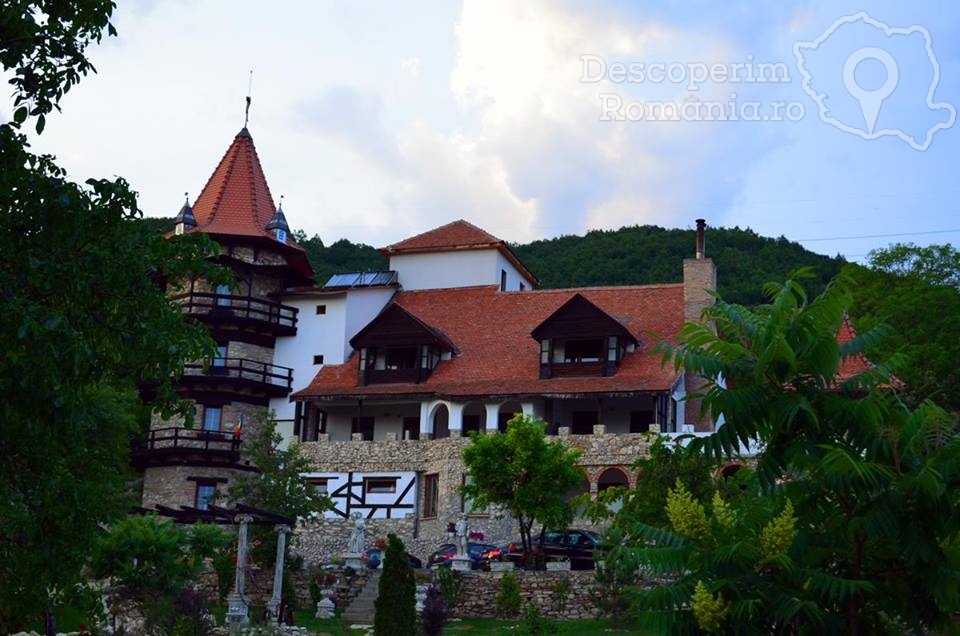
(357, 537)
(462, 535)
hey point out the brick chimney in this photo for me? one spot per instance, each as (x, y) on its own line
(699, 278)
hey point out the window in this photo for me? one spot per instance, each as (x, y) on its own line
(379, 485)
(319, 484)
(583, 350)
(205, 495)
(503, 280)
(431, 494)
(281, 235)
(223, 295)
(318, 359)
(545, 351)
(220, 359)
(466, 503)
(211, 418)
(364, 426)
(178, 229)
(401, 358)
(321, 310)
(522, 286)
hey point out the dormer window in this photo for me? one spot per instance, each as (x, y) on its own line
(396, 347)
(184, 221)
(277, 226)
(580, 339)
(281, 235)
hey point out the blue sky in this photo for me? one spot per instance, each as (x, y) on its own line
(379, 120)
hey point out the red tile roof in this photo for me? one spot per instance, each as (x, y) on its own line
(498, 356)
(853, 365)
(457, 235)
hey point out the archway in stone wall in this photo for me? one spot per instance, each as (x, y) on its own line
(506, 413)
(611, 478)
(474, 418)
(441, 421)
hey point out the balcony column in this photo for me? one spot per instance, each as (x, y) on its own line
(455, 422)
(274, 605)
(527, 408)
(493, 417)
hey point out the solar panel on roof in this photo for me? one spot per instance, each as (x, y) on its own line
(362, 279)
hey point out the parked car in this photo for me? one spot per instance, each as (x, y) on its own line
(374, 557)
(576, 545)
(445, 553)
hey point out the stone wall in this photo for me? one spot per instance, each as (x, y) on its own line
(536, 588)
(171, 485)
(324, 540)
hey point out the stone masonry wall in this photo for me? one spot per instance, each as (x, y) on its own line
(536, 588)
(323, 540)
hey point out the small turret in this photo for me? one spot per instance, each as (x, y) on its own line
(278, 224)
(184, 221)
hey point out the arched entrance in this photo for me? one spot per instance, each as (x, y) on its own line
(441, 421)
(506, 413)
(474, 418)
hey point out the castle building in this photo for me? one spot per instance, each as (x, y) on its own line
(381, 376)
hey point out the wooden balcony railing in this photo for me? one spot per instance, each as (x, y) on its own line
(272, 376)
(248, 308)
(177, 445)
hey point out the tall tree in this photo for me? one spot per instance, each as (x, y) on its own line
(853, 524)
(523, 473)
(395, 611)
(84, 325)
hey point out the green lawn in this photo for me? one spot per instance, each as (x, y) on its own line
(493, 627)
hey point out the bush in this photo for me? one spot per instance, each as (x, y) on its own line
(395, 608)
(508, 598)
(435, 614)
(451, 586)
(533, 624)
(560, 594)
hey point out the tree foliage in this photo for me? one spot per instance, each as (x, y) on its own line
(915, 290)
(395, 608)
(851, 525)
(84, 326)
(523, 473)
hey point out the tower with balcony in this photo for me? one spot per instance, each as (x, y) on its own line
(232, 391)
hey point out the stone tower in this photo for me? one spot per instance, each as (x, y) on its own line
(187, 467)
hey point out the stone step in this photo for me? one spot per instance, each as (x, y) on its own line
(361, 608)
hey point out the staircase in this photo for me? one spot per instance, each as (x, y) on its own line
(360, 610)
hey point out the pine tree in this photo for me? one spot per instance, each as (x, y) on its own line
(395, 608)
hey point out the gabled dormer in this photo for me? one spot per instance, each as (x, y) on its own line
(398, 347)
(580, 339)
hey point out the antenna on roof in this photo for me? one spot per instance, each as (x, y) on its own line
(246, 116)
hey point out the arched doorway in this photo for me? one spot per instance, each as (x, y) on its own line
(441, 421)
(474, 418)
(506, 413)
(610, 478)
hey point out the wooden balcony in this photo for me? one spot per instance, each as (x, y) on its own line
(178, 446)
(394, 376)
(577, 369)
(238, 378)
(225, 311)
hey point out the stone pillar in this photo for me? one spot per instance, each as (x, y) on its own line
(426, 426)
(493, 417)
(237, 610)
(274, 605)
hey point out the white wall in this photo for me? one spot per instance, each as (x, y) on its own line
(459, 268)
(363, 305)
(406, 494)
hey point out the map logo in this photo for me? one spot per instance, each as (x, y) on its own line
(872, 95)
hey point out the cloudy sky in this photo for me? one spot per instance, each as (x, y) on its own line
(378, 120)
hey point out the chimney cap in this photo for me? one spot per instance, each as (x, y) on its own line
(701, 239)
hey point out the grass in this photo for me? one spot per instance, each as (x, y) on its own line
(494, 627)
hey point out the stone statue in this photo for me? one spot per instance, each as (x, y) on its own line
(357, 536)
(462, 535)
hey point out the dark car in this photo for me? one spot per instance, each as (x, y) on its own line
(576, 545)
(374, 557)
(445, 553)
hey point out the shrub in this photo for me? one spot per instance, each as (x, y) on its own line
(508, 598)
(451, 586)
(395, 608)
(435, 614)
(533, 624)
(560, 594)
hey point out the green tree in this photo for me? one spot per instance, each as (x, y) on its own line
(915, 290)
(85, 328)
(523, 473)
(851, 525)
(395, 608)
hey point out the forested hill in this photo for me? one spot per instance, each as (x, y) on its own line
(629, 256)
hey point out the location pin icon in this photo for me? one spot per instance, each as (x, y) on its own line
(870, 101)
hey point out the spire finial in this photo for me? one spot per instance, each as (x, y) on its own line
(281, 202)
(186, 198)
(246, 116)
